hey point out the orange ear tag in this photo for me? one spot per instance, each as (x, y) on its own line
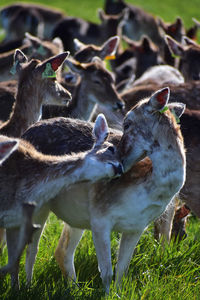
(110, 57)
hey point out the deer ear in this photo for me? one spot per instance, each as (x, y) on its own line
(19, 59)
(50, 66)
(6, 148)
(177, 108)
(175, 48)
(78, 45)
(159, 99)
(101, 14)
(109, 48)
(189, 41)
(74, 66)
(100, 130)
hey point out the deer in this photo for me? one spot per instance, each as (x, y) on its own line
(26, 200)
(188, 56)
(151, 140)
(86, 52)
(94, 87)
(32, 47)
(27, 17)
(70, 28)
(36, 85)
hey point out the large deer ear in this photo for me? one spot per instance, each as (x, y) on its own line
(100, 130)
(6, 148)
(50, 66)
(109, 48)
(159, 99)
(19, 59)
(175, 48)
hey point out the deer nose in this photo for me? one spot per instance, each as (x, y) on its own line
(118, 169)
(120, 105)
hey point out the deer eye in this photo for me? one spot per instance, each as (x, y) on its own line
(111, 149)
(97, 82)
(126, 126)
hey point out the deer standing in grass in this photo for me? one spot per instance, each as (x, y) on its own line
(127, 204)
(35, 178)
(34, 89)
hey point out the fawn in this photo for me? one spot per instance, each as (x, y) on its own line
(127, 204)
(35, 178)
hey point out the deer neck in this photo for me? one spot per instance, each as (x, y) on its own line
(168, 174)
(25, 112)
(83, 104)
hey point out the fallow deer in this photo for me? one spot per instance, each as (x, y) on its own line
(36, 85)
(189, 58)
(35, 178)
(86, 52)
(95, 86)
(32, 47)
(70, 28)
(37, 19)
(129, 203)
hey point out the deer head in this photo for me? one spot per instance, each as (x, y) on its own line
(147, 125)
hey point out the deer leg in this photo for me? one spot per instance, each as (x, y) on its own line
(17, 242)
(32, 248)
(163, 225)
(127, 245)
(2, 239)
(101, 238)
(12, 237)
(65, 250)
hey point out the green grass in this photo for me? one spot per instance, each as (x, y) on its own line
(154, 273)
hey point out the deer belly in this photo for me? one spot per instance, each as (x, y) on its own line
(72, 206)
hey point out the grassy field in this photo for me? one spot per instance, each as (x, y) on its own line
(154, 273)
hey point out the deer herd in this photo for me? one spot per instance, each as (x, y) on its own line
(100, 127)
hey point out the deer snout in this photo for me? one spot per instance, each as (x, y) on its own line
(118, 169)
(119, 105)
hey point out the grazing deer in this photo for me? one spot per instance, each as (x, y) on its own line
(127, 204)
(70, 28)
(36, 178)
(96, 86)
(36, 85)
(26, 17)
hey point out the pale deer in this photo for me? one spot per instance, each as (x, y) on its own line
(127, 204)
(95, 87)
(35, 178)
(37, 85)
